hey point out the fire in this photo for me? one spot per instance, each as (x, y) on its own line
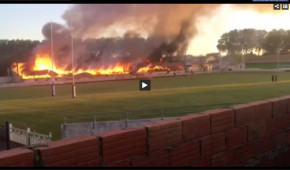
(43, 67)
(151, 67)
(116, 69)
(42, 63)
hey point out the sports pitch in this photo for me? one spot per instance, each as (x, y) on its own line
(34, 107)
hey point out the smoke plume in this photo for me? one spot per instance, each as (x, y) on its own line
(106, 34)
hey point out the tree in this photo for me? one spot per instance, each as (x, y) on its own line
(286, 42)
(229, 43)
(247, 40)
(273, 41)
(259, 36)
(14, 51)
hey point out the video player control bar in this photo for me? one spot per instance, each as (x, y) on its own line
(270, 0)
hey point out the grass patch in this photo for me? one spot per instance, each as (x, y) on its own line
(33, 107)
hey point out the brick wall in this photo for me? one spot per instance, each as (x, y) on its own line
(19, 157)
(237, 136)
(79, 151)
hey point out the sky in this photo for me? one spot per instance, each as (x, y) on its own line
(25, 21)
(227, 18)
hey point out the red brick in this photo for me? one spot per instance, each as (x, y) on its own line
(256, 131)
(254, 112)
(125, 163)
(168, 131)
(280, 106)
(279, 139)
(236, 137)
(277, 124)
(21, 165)
(66, 145)
(272, 127)
(109, 158)
(287, 98)
(71, 152)
(223, 159)
(119, 143)
(267, 144)
(244, 154)
(213, 144)
(164, 141)
(16, 157)
(263, 146)
(74, 161)
(118, 135)
(185, 154)
(221, 120)
(195, 126)
(162, 124)
(244, 114)
(163, 134)
(92, 163)
(122, 144)
(288, 136)
(203, 162)
(159, 158)
(131, 145)
(263, 111)
(84, 153)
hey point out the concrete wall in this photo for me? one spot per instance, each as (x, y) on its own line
(5, 80)
(93, 128)
(244, 135)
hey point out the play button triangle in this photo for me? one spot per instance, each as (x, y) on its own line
(144, 85)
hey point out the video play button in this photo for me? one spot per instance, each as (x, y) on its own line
(145, 85)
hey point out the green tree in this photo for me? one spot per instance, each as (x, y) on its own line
(260, 36)
(286, 42)
(247, 40)
(229, 43)
(273, 41)
(14, 51)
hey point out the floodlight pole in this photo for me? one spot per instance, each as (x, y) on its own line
(72, 64)
(185, 64)
(52, 78)
(278, 62)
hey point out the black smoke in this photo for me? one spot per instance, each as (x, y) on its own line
(169, 29)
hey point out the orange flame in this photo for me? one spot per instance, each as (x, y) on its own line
(150, 67)
(44, 63)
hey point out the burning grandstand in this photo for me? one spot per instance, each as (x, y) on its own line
(130, 54)
(117, 39)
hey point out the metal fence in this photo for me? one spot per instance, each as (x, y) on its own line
(26, 137)
(142, 114)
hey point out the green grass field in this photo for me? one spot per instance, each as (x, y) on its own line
(267, 66)
(33, 107)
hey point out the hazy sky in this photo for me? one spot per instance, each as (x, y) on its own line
(227, 18)
(25, 21)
